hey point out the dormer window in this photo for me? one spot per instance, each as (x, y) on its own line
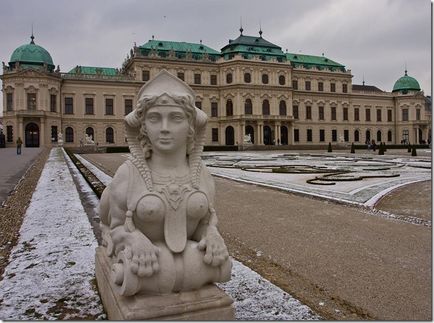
(160, 44)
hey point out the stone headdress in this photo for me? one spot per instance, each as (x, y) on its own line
(165, 90)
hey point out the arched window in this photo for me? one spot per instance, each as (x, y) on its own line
(282, 108)
(265, 108)
(109, 135)
(69, 134)
(247, 77)
(90, 132)
(229, 108)
(389, 135)
(356, 135)
(229, 78)
(248, 109)
(378, 136)
(282, 80)
(265, 78)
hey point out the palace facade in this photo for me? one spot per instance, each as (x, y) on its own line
(249, 87)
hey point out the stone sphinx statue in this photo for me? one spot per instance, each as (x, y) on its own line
(247, 139)
(88, 139)
(59, 139)
(158, 220)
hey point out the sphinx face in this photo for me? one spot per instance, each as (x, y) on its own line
(167, 128)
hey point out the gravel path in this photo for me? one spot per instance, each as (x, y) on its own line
(341, 261)
(15, 205)
(410, 200)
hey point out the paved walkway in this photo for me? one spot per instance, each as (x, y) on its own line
(13, 167)
(338, 259)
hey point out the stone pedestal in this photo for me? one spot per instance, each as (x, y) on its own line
(205, 304)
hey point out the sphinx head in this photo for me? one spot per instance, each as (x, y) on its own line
(165, 116)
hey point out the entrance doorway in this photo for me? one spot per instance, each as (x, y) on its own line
(32, 135)
(268, 140)
(230, 138)
(283, 135)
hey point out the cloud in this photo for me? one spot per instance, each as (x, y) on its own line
(371, 37)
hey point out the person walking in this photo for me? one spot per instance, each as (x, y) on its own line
(19, 144)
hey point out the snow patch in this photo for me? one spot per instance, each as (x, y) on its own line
(51, 270)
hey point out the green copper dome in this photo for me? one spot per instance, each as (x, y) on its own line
(406, 83)
(30, 55)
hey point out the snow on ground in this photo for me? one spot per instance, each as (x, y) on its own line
(255, 298)
(360, 192)
(51, 271)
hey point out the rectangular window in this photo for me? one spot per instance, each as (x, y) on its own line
(69, 105)
(334, 135)
(378, 114)
(417, 114)
(321, 135)
(31, 101)
(332, 87)
(307, 85)
(198, 104)
(404, 114)
(320, 86)
(197, 78)
(109, 106)
(389, 115)
(308, 112)
(54, 133)
(309, 135)
(145, 75)
(295, 84)
(295, 111)
(346, 135)
(214, 109)
(368, 114)
(9, 134)
(213, 80)
(9, 101)
(333, 110)
(345, 114)
(88, 103)
(53, 103)
(356, 114)
(296, 135)
(128, 104)
(321, 113)
(344, 88)
(181, 75)
(215, 134)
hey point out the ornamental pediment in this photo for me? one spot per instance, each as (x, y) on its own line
(30, 73)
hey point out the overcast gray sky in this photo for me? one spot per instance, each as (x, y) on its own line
(373, 38)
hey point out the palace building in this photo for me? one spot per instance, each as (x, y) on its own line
(249, 87)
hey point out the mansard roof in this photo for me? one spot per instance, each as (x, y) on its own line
(180, 49)
(92, 70)
(368, 88)
(308, 61)
(250, 46)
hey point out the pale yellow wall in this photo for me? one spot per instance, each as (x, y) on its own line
(79, 87)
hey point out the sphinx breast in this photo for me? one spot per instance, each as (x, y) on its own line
(197, 205)
(151, 208)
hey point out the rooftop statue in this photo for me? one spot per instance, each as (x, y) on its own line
(157, 215)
